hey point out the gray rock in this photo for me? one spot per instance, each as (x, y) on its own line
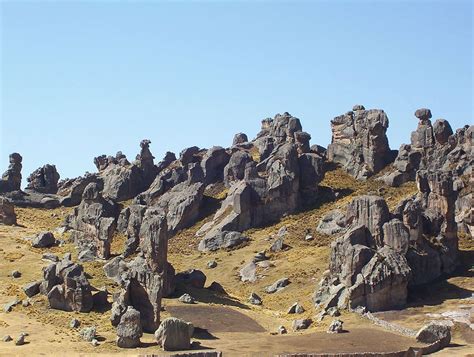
(16, 274)
(211, 264)
(254, 299)
(129, 330)
(186, 299)
(248, 272)
(44, 180)
(277, 285)
(174, 334)
(193, 277)
(11, 179)
(332, 223)
(434, 331)
(396, 235)
(51, 257)
(296, 309)
(7, 212)
(7, 338)
(20, 341)
(335, 326)
(239, 138)
(32, 289)
(88, 334)
(8, 307)
(359, 142)
(277, 246)
(25, 303)
(282, 330)
(95, 342)
(222, 240)
(301, 324)
(75, 323)
(43, 240)
(423, 114)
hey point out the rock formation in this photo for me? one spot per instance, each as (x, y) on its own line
(93, 223)
(44, 179)
(11, 179)
(174, 334)
(129, 329)
(143, 280)
(66, 286)
(383, 253)
(359, 142)
(262, 192)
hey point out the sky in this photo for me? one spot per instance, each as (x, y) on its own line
(80, 79)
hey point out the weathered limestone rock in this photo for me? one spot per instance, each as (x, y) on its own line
(370, 211)
(44, 180)
(192, 277)
(335, 326)
(222, 240)
(359, 142)
(174, 334)
(11, 179)
(71, 190)
(66, 287)
(7, 212)
(332, 223)
(396, 236)
(435, 331)
(93, 222)
(235, 169)
(213, 163)
(239, 138)
(129, 330)
(43, 240)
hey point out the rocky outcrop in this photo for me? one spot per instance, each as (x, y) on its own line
(7, 212)
(93, 223)
(213, 163)
(66, 286)
(44, 179)
(144, 280)
(11, 179)
(123, 180)
(285, 178)
(359, 142)
(383, 253)
(174, 334)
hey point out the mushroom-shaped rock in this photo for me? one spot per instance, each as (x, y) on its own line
(174, 334)
(423, 114)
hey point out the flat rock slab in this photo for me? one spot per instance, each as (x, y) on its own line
(215, 319)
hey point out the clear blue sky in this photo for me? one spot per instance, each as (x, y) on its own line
(80, 79)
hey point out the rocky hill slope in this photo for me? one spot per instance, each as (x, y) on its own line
(270, 222)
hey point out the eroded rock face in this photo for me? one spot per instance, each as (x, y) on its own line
(11, 179)
(260, 193)
(7, 212)
(71, 190)
(145, 279)
(66, 287)
(93, 222)
(359, 142)
(383, 253)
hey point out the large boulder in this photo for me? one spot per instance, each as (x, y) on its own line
(7, 212)
(222, 240)
(359, 142)
(129, 330)
(174, 334)
(433, 332)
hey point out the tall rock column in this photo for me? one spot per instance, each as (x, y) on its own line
(11, 179)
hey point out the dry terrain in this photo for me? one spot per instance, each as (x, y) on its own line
(227, 322)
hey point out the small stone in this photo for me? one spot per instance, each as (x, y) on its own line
(260, 257)
(16, 274)
(95, 343)
(20, 341)
(9, 306)
(277, 246)
(301, 324)
(277, 285)
(75, 323)
(335, 327)
(211, 264)
(51, 257)
(32, 289)
(88, 334)
(282, 330)
(308, 238)
(25, 303)
(7, 338)
(187, 299)
(254, 299)
(296, 309)
(333, 311)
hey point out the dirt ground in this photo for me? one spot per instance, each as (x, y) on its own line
(225, 322)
